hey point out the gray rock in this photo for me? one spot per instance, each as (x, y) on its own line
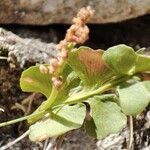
(113, 141)
(21, 51)
(42, 12)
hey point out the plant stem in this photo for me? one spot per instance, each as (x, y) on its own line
(82, 96)
(130, 132)
(21, 119)
(104, 97)
(46, 104)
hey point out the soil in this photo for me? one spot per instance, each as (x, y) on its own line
(135, 33)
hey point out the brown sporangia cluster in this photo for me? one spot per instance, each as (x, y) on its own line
(78, 33)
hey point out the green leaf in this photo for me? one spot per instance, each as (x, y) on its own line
(142, 63)
(60, 121)
(121, 59)
(124, 61)
(89, 66)
(32, 80)
(106, 118)
(134, 98)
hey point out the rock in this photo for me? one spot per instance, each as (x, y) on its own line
(114, 141)
(43, 12)
(21, 51)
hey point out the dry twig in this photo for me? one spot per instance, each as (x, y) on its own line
(15, 141)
